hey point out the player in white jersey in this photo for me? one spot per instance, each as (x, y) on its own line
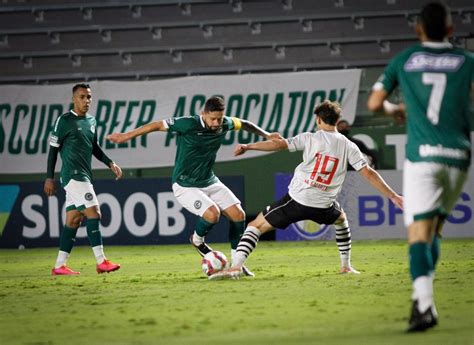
(315, 185)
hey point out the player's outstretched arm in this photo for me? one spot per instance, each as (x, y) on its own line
(253, 128)
(374, 178)
(119, 138)
(269, 145)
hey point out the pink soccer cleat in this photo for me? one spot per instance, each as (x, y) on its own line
(106, 266)
(63, 271)
(349, 270)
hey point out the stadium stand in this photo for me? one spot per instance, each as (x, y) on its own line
(60, 41)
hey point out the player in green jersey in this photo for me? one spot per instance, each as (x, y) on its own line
(195, 186)
(436, 81)
(74, 137)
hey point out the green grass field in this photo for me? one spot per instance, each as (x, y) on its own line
(160, 296)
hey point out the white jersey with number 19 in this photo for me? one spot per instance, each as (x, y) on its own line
(319, 178)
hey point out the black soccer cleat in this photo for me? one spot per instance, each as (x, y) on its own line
(202, 248)
(420, 322)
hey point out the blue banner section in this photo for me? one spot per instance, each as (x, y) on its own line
(373, 216)
(141, 211)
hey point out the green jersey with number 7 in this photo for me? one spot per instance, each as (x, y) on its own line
(436, 80)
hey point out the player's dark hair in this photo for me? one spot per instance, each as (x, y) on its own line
(435, 19)
(329, 112)
(80, 86)
(214, 103)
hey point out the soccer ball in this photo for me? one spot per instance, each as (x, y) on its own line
(213, 262)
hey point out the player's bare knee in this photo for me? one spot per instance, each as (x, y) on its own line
(212, 214)
(92, 213)
(341, 220)
(261, 224)
(240, 216)
(74, 222)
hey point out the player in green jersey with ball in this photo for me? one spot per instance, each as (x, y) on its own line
(195, 186)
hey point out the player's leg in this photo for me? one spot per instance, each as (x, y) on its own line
(280, 214)
(231, 208)
(236, 216)
(226, 200)
(422, 191)
(344, 243)
(85, 200)
(95, 239)
(204, 224)
(250, 238)
(196, 201)
(67, 239)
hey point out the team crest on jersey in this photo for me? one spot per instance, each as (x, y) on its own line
(197, 204)
(93, 129)
(88, 196)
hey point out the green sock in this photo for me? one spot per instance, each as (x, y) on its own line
(203, 227)
(93, 232)
(236, 230)
(435, 249)
(421, 261)
(67, 239)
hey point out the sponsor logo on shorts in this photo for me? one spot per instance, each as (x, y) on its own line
(88, 196)
(197, 204)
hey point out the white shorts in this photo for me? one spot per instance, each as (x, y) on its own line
(80, 195)
(198, 200)
(430, 189)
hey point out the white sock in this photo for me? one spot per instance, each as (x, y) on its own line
(99, 253)
(238, 260)
(343, 240)
(197, 240)
(345, 259)
(62, 259)
(247, 244)
(423, 291)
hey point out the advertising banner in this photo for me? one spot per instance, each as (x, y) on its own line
(371, 215)
(138, 211)
(282, 102)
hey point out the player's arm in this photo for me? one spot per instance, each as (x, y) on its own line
(374, 178)
(49, 184)
(100, 155)
(269, 145)
(253, 128)
(377, 100)
(155, 126)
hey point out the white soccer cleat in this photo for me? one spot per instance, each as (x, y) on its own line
(349, 270)
(231, 273)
